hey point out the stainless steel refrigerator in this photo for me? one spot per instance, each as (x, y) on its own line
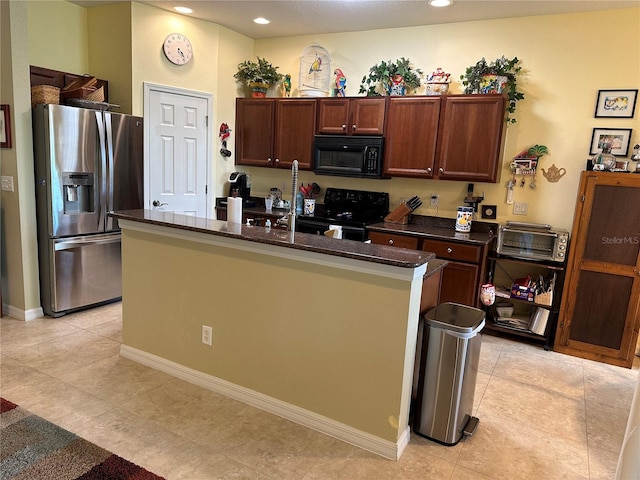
(87, 163)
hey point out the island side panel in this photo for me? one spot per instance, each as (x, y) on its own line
(339, 343)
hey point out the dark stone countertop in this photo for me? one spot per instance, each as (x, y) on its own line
(399, 257)
(434, 265)
(436, 228)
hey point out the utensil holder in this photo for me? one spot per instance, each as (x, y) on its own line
(544, 298)
(399, 215)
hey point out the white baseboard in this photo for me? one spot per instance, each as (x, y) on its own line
(320, 423)
(20, 314)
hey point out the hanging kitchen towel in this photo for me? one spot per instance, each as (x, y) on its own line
(234, 209)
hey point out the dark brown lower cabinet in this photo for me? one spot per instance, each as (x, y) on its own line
(600, 312)
(466, 263)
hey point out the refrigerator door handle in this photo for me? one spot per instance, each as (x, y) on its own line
(67, 244)
(102, 217)
(109, 159)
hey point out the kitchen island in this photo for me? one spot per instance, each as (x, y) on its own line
(317, 330)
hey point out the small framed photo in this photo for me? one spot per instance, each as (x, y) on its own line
(5, 127)
(617, 137)
(616, 103)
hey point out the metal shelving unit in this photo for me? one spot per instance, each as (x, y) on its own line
(502, 270)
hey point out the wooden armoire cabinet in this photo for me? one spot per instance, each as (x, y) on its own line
(600, 312)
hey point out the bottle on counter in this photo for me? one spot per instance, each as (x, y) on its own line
(299, 203)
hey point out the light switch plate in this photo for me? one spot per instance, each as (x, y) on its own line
(7, 183)
(520, 208)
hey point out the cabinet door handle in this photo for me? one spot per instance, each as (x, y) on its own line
(390, 241)
(449, 250)
(441, 170)
(429, 170)
(277, 160)
(344, 127)
(353, 127)
(269, 160)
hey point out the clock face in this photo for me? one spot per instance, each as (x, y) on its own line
(177, 48)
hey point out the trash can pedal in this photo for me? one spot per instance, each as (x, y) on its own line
(471, 426)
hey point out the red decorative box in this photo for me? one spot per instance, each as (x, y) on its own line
(523, 293)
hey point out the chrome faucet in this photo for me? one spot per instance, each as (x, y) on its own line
(289, 220)
(291, 216)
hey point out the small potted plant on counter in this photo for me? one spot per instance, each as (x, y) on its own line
(395, 77)
(258, 76)
(494, 77)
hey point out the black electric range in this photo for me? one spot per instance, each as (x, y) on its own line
(353, 210)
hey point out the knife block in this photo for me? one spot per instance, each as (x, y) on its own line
(399, 215)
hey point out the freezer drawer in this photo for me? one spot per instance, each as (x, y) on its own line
(84, 271)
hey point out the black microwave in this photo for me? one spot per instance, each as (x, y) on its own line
(348, 156)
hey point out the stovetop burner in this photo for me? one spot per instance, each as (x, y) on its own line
(355, 207)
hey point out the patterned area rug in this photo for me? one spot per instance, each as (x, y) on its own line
(33, 449)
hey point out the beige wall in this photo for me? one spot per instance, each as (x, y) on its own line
(109, 40)
(58, 36)
(564, 65)
(273, 330)
(20, 288)
(217, 52)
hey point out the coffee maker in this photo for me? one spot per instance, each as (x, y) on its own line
(240, 186)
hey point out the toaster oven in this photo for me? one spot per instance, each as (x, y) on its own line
(532, 241)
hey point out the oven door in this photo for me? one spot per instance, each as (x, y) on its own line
(318, 227)
(528, 244)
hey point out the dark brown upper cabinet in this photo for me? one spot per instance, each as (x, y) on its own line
(351, 116)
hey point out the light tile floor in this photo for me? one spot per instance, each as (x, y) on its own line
(543, 415)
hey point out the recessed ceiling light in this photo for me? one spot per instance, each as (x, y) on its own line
(440, 3)
(183, 10)
(261, 20)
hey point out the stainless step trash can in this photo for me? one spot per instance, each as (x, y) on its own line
(449, 345)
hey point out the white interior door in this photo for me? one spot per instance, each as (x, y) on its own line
(178, 152)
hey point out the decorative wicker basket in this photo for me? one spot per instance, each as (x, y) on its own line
(45, 94)
(84, 93)
(96, 96)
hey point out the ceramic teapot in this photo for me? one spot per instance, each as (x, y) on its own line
(554, 174)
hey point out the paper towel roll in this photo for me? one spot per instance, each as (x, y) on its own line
(338, 230)
(234, 209)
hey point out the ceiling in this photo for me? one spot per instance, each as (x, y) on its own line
(309, 17)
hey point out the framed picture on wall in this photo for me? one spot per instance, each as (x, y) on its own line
(617, 137)
(5, 127)
(616, 103)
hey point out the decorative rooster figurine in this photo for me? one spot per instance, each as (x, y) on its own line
(315, 66)
(341, 82)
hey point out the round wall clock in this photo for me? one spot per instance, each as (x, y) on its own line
(177, 48)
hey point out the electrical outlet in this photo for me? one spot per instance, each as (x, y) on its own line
(520, 208)
(7, 183)
(207, 335)
(489, 211)
(434, 199)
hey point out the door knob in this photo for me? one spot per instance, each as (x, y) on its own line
(156, 203)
